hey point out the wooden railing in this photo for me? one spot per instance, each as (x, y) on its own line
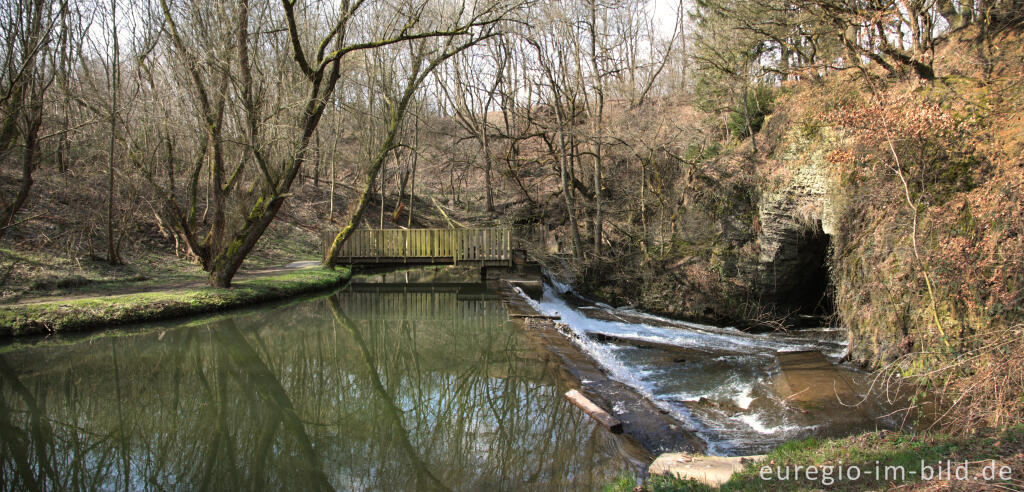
(432, 245)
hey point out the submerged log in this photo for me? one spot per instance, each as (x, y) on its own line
(604, 418)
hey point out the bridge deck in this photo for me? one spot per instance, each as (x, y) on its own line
(485, 247)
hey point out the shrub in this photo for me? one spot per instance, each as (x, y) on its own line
(757, 103)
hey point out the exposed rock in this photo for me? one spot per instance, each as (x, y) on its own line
(641, 420)
(722, 406)
(796, 221)
(711, 470)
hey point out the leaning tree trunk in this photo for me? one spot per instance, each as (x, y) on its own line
(354, 219)
(227, 263)
(386, 147)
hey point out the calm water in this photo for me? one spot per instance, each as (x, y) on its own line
(375, 387)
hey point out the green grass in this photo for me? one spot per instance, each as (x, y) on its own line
(868, 452)
(283, 244)
(94, 312)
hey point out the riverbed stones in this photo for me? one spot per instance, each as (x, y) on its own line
(711, 470)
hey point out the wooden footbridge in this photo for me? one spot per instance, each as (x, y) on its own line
(476, 247)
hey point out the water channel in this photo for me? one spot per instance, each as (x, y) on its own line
(382, 385)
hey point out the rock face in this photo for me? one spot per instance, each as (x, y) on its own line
(796, 222)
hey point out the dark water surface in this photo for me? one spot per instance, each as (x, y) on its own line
(375, 387)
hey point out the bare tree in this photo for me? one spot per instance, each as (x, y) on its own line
(470, 88)
(114, 76)
(424, 58)
(27, 63)
(217, 63)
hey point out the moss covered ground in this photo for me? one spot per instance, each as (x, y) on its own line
(107, 310)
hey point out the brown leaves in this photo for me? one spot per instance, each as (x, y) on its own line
(901, 117)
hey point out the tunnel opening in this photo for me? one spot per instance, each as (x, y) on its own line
(810, 290)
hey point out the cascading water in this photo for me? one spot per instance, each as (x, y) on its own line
(717, 380)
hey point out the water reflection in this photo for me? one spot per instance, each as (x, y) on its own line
(377, 387)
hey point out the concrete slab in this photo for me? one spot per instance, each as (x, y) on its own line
(711, 470)
(820, 390)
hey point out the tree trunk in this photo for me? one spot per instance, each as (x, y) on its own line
(598, 169)
(383, 175)
(354, 219)
(330, 210)
(316, 166)
(567, 192)
(412, 184)
(115, 82)
(487, 166)
(28, 164)
(224, 267)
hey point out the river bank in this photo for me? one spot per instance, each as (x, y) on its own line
(878, 460)
(76, 313)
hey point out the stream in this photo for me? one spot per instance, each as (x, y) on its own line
(378, 386)
(398, 381)
(721, 382)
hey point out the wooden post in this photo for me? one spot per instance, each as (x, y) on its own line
(455, 246)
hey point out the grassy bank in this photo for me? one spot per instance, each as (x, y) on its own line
(94, 312)
(870, 453)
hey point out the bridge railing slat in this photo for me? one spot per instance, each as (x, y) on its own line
(483, 244)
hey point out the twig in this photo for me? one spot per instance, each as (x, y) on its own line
(22, 221)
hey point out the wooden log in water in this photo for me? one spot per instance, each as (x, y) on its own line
(604, 418)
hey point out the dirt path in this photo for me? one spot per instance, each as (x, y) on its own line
(135, 288)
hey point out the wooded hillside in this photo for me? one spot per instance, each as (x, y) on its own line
(746, 162)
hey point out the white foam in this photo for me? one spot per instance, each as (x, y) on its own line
(559, 286)
(724, 435)
(683, 336)
(754, 422)
(744, 399)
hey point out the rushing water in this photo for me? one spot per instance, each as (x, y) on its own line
(375, 387)
(719, 381)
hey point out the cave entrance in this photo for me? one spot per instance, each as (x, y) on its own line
(811, 290)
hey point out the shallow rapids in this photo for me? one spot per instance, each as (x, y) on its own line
(720, 381)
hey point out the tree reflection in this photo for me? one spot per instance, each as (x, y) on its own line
(29, 451)
(388, 390)
(424, 478)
